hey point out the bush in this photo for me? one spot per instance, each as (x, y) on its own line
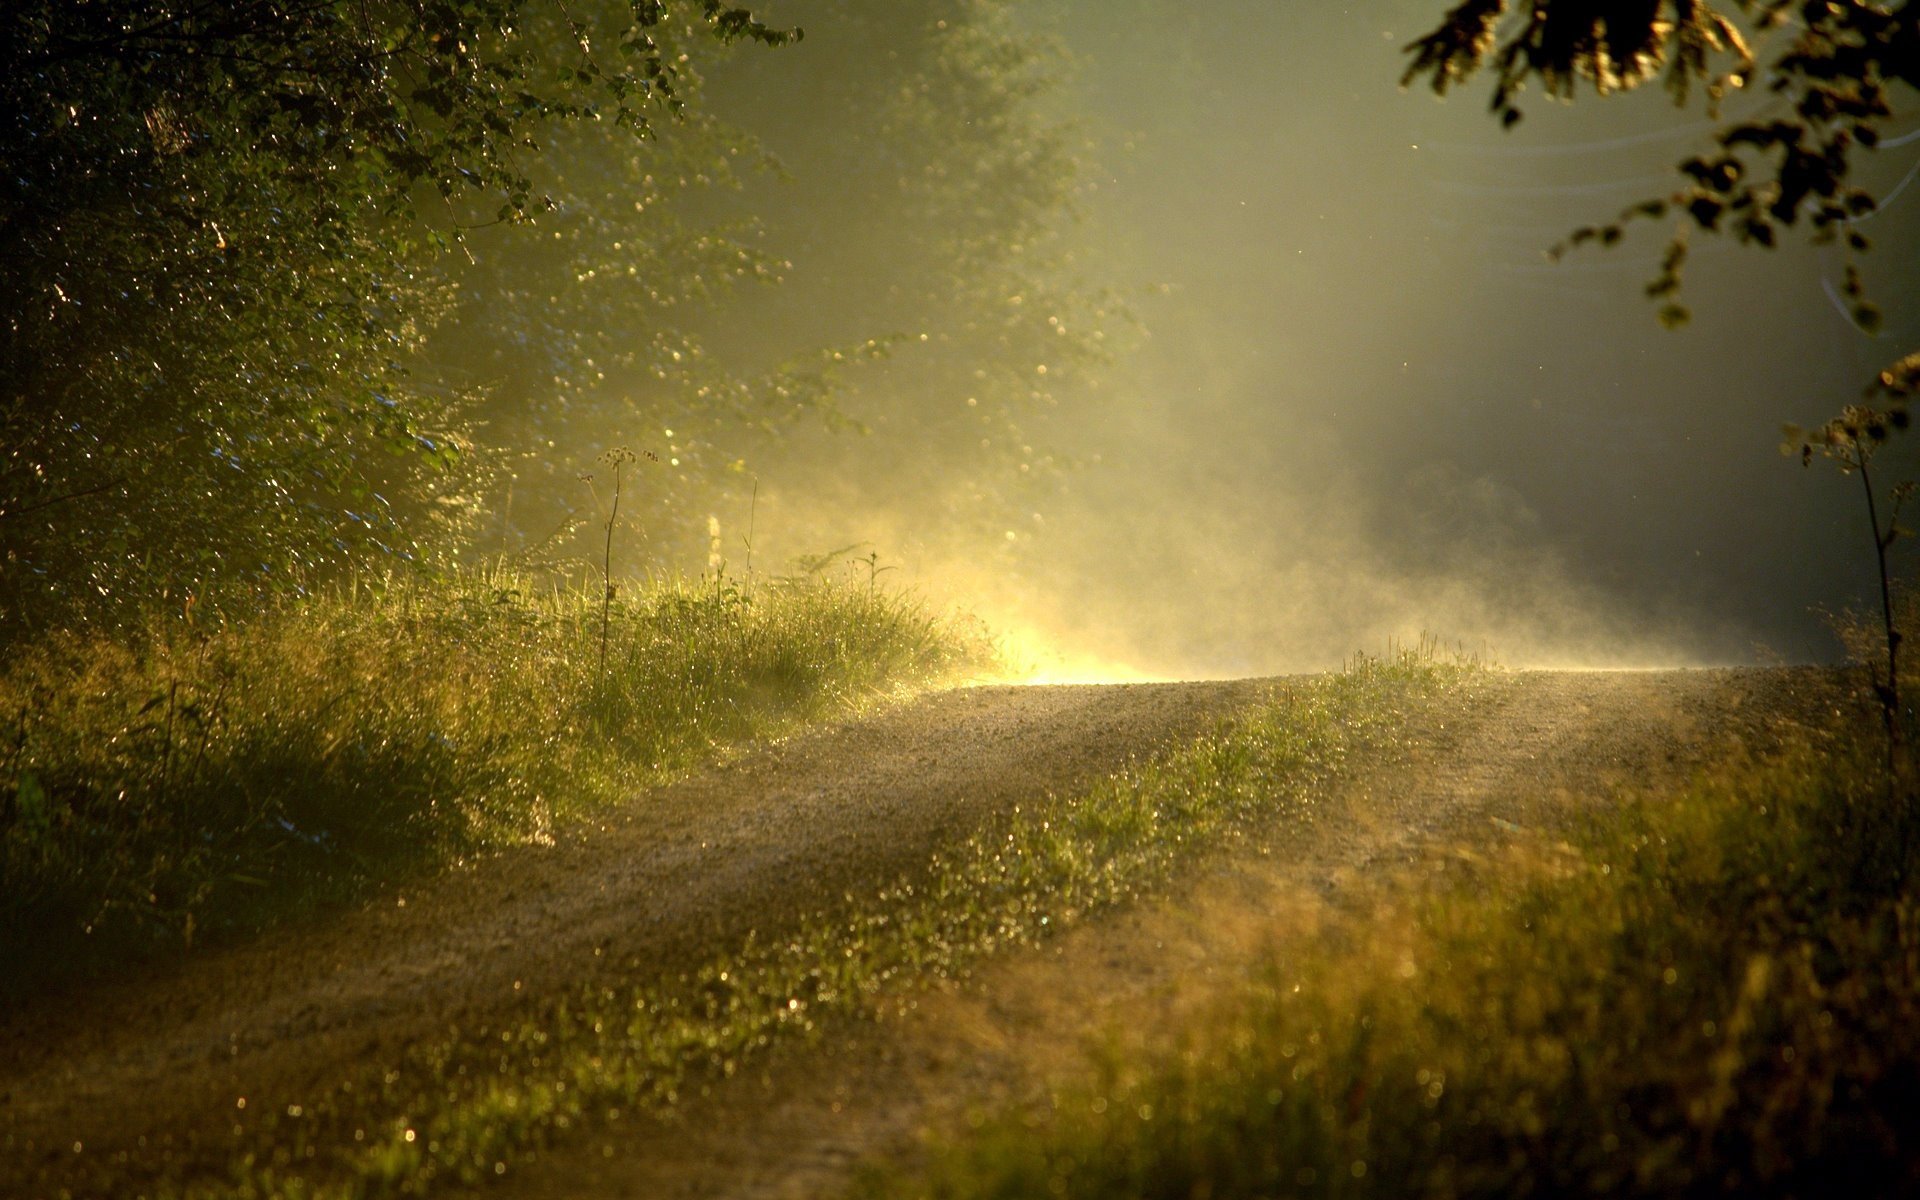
(206, 777)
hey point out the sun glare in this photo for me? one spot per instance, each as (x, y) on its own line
(1035, 660)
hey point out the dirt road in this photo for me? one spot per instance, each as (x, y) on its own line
(152, 1065)
(1515, 748)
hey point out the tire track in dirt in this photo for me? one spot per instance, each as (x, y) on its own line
(1518, 748)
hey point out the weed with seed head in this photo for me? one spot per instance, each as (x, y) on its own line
(616, 459)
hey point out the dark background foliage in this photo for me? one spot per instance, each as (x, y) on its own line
(222, 233)
(292, 289)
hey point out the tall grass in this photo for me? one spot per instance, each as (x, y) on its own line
(1714, 993)
(207, 778)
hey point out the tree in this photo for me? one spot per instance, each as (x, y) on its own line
(1838, 70)
(1837, 66)
(574, 339)
(757, 280)
(937, 221)
(221, 230)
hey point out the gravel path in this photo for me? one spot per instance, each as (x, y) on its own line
(154, 1064)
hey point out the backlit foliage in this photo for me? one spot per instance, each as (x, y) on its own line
(1843, 70)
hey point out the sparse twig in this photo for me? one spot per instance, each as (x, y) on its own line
(815, 564)
(617, 458)
(63, 498)
(166, 749)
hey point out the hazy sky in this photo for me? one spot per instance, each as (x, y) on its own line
(1369, 406)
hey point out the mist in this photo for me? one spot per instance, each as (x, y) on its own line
(1358, 404)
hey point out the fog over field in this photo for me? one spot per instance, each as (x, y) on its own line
(1363, 403)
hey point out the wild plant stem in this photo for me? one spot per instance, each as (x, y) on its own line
(606, 572)
(753, 510)
(166, 755)
(1889, 699)
(61, 499)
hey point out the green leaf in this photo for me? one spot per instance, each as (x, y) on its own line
(31, 809)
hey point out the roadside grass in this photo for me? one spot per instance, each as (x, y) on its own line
(1714, 993)
(467, 1109)
(205, 780)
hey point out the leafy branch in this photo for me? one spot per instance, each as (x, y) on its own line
(1836, 74)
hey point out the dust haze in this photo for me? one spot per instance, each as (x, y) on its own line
(1360, 405)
